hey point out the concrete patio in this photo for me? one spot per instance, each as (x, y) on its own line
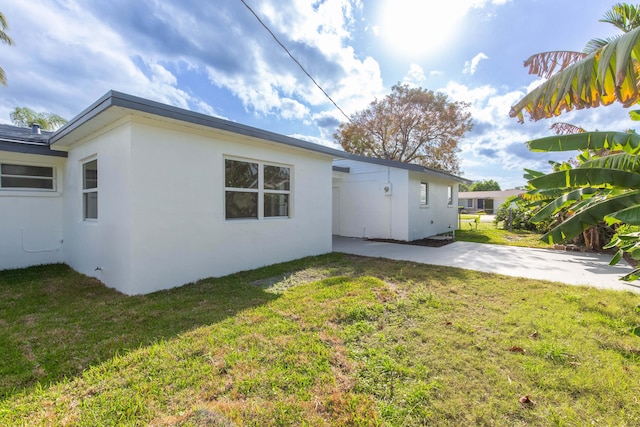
(574, 268)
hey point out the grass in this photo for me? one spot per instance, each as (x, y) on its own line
(331, 340)
(488, 233)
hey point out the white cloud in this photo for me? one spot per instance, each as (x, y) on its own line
(471, 66)
(415, 76)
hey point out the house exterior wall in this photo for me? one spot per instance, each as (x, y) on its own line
(101, 248)
(435, 217)
(364, 208)
(180, 233)
(161, 198)
(31, 221)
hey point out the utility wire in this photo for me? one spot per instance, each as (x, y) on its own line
(294, 59)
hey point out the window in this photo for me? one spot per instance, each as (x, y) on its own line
(26, 177)
(90, 190)
(424, 193)
(256, 190)
(450, 195)
(470, 203)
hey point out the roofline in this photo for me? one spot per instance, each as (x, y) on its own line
(23, 147)
(408, 166)
(123, 100)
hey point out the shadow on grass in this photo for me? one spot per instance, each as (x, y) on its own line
(56, 322)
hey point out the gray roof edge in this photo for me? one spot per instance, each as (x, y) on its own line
(408, 166)
(114, 98)
(42, 150)
(85, 115)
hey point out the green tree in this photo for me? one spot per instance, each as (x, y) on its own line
(25, 117)
(4, 38)
(486, 185)
(412, 125)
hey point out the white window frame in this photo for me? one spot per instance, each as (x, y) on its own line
(470, 203)
(449, 195)
(426, 196)
(260, 190)
(87, 191)
(51, 178)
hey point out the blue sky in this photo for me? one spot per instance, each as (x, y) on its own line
(214, 57)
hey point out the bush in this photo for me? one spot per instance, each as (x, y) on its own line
(520, 216)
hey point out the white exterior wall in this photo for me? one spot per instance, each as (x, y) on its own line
(363, 209)
(101, 248)
(31, 221)
(437, 216)
(161, 207)
(180, 232)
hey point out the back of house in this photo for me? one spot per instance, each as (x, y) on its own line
(145, 196)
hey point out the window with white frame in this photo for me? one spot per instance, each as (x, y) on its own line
(255, 190)
(90, 190)
(424, 193)
(470, 203)
(450, 195)
(27, 177)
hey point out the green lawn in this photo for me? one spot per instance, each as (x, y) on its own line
(486, 232)
(331, 340)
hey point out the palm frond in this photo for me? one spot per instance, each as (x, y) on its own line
(623, 16)
(596, 44)
(544, 64)
(601, 78)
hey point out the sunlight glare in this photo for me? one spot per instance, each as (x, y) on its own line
(416, 28)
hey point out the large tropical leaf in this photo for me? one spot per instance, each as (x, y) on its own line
(563, 201)
(629, 215)
(574, 178)
(601, 78)
(591, 216)
(614, 141)
(617, 161)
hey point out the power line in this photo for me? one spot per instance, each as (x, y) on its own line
(294, 59)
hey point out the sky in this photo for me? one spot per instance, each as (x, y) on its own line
(215, 57)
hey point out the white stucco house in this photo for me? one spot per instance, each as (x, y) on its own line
(487, 201)
(382, 199)
(146, 196)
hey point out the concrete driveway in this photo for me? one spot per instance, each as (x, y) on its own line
(574, 268)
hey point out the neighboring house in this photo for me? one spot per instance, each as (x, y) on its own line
(145, 196)
(487, 201)
(376, 198)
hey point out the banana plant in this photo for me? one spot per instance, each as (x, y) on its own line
(605, 186)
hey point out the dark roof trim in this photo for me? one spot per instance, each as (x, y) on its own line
(118, 99)
(408, 166)
(21, 147)
(341, 169)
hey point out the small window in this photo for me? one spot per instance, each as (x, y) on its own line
(450, 195)
(424, 193)
(470, 203)
(90, 190)
(255, 190)
(26, 177)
